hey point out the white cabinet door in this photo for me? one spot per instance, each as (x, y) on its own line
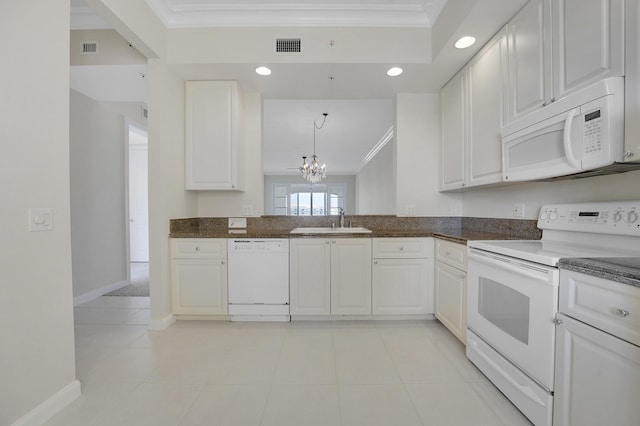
(452, 137)
(529, 44)
(199, 286)
(588, 43)
(560, 46)
(310, 276)
(351, 276)
(451, 299)
(213, 136)
(597, 379)
(402, 286)
(486, 99)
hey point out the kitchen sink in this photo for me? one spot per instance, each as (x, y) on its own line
(330, 230)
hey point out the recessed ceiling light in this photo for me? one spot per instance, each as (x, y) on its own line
(263, 71)
(464, 42)
(394, 71)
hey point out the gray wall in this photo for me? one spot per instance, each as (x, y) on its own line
(97, 159)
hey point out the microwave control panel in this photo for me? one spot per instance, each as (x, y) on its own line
(607, 217)
(592, 132)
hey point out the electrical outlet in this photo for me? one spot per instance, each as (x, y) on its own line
(518, 210)
(247, 210)
(411, 210)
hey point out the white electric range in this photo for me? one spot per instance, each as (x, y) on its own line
(512, 295)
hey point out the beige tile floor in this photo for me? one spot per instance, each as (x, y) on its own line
(390, 373)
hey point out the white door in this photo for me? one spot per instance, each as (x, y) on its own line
(452, 137)
(351, 276)
(529, 44)
(588, 43)
(597, 377)
(138, 195)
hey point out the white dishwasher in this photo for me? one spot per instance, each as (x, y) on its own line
(258, 274)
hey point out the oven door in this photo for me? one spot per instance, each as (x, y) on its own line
(511, 304)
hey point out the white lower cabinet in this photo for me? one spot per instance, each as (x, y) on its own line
(330, 276)
(402, 276)
(451, 287)
(199, 276)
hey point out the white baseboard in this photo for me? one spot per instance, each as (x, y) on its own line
(94, 294)
(51, 406)
(162, 324)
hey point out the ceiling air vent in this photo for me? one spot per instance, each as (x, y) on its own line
(288, 45)
(89, 48)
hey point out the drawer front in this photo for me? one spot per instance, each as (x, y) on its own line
(408, 248)
(608, 305)
(452, 254)
(198, 248)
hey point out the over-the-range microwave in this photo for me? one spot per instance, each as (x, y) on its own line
(579, 135)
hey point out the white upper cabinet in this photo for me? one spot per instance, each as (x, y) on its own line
(473, 113)
(560, 46)
(452, 137)
(486, 74)
(529, 46)
(213, 136)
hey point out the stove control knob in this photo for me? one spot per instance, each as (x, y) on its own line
(553, 216)
(632, 217)
(617, 217)
(544, 216)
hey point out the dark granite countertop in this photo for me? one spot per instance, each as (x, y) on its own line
(460, 236)
(624, 270)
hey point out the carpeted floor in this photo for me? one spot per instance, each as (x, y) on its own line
(139, 286)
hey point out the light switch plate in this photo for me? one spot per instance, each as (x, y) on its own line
(40, 219)
(237, 222)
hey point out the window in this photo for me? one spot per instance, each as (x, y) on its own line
(308, 200)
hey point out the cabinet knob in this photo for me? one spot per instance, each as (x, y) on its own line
(557, 321)
(197, 248)
(375, 262)
(401, 248)
(333, 241)
(222, 262)
(622, 313)
(326, 242)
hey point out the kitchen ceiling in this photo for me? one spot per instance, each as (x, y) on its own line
(307, 86)
(261, 13)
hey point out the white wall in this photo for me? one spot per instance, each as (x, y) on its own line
(167, 197)
(36, 303)
(230, 203)
(498, 202)
(417, 139)
(113, 49)
(376, 183)
(98, 241)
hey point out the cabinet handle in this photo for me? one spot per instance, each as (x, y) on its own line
(622, 313)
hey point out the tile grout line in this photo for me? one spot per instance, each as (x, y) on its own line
(402, 382)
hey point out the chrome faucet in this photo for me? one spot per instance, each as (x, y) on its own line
(341, 217)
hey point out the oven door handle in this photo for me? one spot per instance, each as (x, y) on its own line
(510, 264)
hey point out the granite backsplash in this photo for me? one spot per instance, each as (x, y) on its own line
(520, 228)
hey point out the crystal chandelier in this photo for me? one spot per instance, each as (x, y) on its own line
(313, 171)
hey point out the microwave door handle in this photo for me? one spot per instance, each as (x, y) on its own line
(567, 139)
